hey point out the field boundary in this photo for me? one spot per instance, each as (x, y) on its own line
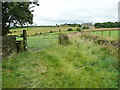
(100, 30)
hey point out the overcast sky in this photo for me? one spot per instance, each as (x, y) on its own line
(51, 12)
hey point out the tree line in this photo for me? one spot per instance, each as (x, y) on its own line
(107, 25)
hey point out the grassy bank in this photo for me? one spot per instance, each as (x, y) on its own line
(82, 64)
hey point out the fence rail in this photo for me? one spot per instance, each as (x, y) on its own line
(102, 30)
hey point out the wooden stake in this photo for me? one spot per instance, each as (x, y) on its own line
(59, 30)
(109, 33)
(102, 33)
(25, 40)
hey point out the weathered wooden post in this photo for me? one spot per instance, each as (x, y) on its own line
(59, 38)
(25, 40)
(102, 33)
(59, 30)
(109, 33)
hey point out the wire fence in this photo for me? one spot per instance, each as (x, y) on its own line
(107, 33)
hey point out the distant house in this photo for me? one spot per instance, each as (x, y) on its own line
(89, 25)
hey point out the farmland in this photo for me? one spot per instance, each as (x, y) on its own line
(59, 44)
(34, 30)
(114, 34)
(46, 30)
(81, 64)
(60, 66)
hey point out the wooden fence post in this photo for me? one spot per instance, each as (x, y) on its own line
(59, 30)
(25, 40)
(102, 33)
(109, 33)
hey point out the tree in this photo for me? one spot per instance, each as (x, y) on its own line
(85, 27)
(108, 25)
(78, 29)
(16, 13)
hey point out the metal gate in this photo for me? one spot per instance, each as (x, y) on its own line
(38, 43)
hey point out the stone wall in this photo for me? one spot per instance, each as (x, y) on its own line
(8, 45)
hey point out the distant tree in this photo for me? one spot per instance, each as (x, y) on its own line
(16, 13)
(70, 29)
(79, 25)
(78, 29)
(107, 25)
(97, 25)
(85, 27)
(51, 31)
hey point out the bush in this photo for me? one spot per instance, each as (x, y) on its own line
(21, 35)
(85, 27)
(78, 29)
(70, 29)
(51, 31)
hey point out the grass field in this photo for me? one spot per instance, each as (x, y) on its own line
(114, 34)
(43, 41)
(45, 31)
(82, 64)
(32, 31)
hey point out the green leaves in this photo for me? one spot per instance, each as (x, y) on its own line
(17, 13)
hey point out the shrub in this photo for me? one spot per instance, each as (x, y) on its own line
(21, 35)
(70, 29)
(51, 31)
(78, 29)
(85, 27)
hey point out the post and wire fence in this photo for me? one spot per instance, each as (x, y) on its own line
(108, 33)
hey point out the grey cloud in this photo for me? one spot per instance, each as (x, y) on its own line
(76, 11)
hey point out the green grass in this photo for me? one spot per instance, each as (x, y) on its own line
(114, 34)
(82, 64)
(40, 42)
(32, 31)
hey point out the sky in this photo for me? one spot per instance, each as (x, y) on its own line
(52, 12)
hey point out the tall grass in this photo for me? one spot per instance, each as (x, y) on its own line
(82, 64)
